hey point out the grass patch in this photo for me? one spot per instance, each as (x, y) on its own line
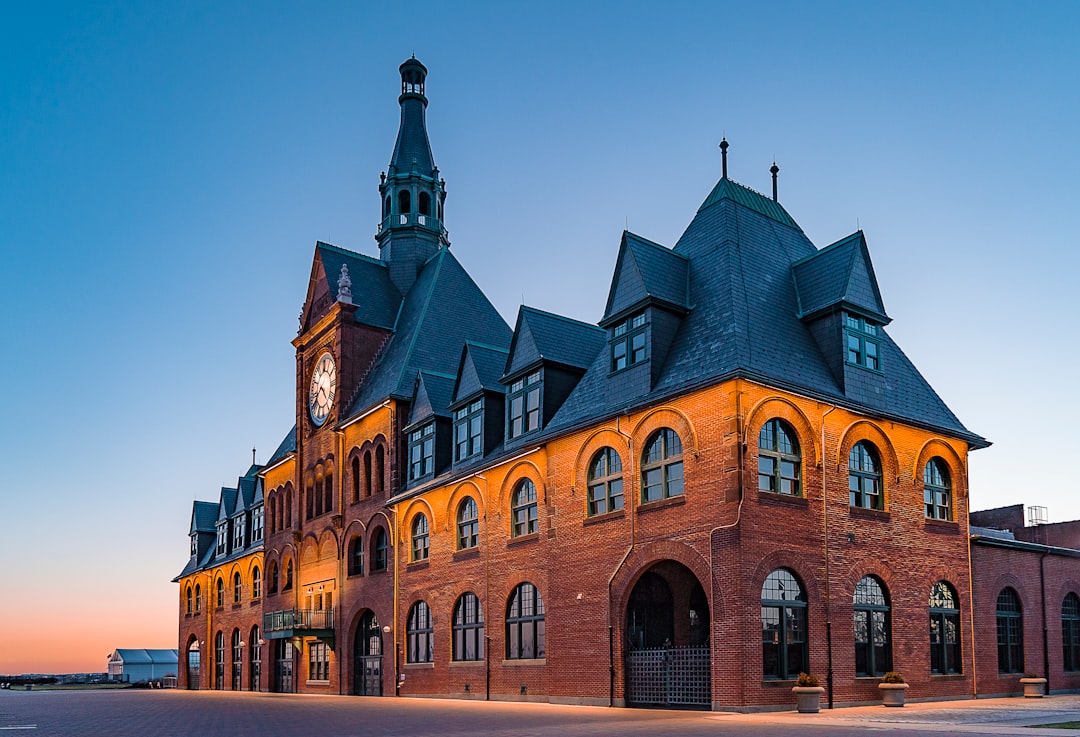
(1058, 725)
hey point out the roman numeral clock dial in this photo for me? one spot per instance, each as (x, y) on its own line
(323, 388)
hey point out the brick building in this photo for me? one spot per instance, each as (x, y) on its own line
(734, 476)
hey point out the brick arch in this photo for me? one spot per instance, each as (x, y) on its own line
(535, 576)
(1068, 586)
(1012, 581)
(786, 410)
(794, 562)
(355, 527)
(381, 519)
(252, 565)
(936, 447)
(646, 556)
(867, 430)
(309, 549)
(329, 544)
(870, 567)
(520, 470)
(666, 417)
(462, 490)
(415, 507)
(602, 438)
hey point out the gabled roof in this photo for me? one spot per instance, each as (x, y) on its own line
(432, 397)
(287, 446)
(443, 309)
(370, 277)
(203, 517)
(759, 203)
(839, 275)
(227, 507)
(647, 271)
(545, 336)
(132, 656)
(246, 497)
(480, 369)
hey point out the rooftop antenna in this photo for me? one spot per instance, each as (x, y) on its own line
(723, 156)
(775, 170)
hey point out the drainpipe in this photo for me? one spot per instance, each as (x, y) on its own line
(626, 555)
(1045, 637)
(971, 619)
(825, 545)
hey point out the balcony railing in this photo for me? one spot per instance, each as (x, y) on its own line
(411, 218)
(298, 619)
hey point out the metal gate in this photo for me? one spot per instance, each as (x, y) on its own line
(669, 676)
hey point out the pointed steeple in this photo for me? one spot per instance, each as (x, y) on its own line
(411, 191)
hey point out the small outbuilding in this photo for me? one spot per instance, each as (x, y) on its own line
(136, 665)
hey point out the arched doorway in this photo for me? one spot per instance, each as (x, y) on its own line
(367, 657)
(193, 669)
(667, 639)
(283, 666)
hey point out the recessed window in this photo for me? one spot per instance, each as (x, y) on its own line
(864, 477)
(356, 556)
(863, 342)
(523, 509)
(469, 431)
(318, 661)
(238, 532)
(379, 549)
(422, 452)
(220, 592)
(420, 538)
(222, 538)
(219, 661)
(628, 342)
(468, 628)
(256, 583)
(873, 630)
(784, 652)
(944, 630)
(188, 591)
(605, 482)
(238, 588)
(937, 491)
(779, 461)
(419, 635)
(468, 524)
(288, 577)
(525, 629)
(1070, 632)
(257, 524)
(237, 659)
(1010, 632)
(662, 466)
(194, 545)
(273, 577)
(524, 405)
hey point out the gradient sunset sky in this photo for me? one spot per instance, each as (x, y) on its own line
(167, 169)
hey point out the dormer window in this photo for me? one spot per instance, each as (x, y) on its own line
(194, 545)
(863, 342)
(222, 538)
(628, 346)
(257, 524)
(525, 404)
(238, 533)
(469, 430)
(422, 452)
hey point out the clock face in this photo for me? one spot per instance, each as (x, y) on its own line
(323, 388)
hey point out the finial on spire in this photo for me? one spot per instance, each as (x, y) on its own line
(344, 286)
(775, 170)
(723, 155)
(253, 455)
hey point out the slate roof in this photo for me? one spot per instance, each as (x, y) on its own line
(434, 393)
(480, 369)
(375, 297)
(839, 275)
(287, 446)
(203, 517)
(644, 271)
(546, 336)
(759, 203)
(412, 140)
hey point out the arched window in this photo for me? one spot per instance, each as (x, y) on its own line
(937, 491)
(386, 206)
(198, 598)
(784, 651)
(1010, 632)
(864, 477)
(255, 658)
(220, 591)
(288, 577)
(1070, 632)
(356, 556)
(873, 630)
(256, 583)
(468, 628)
(944, 630)
(219, 660)
(523, 509)
(237, 659)
(328, 490)
(356, 478)
(424, 202)
(779, 460)
(419, 635)
(193, 657)
(662, 466)
(309, 498)
(380, 470)
(605, 482)
(468, 524)
(420, 538)
(237, 588)
(188, 609)
(525, 634)
(273, 577)
(272, 504)
(378, 548)
(404, 202)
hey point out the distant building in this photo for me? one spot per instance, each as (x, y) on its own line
(137, 665)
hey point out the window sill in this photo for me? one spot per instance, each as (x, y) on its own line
(466, 663)
(862, 512)
(598, 518)
(467, 553)
(942, 526)
(778, 682)
(786, 500)
(947, 677)
(417, 565)
(522, 539)
(524, 661)
(671, 501)
(378, 571)
(419, 666)
(355, 574)
(316, 683)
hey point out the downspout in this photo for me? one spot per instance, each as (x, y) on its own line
(971, 619)
(825, 546)
(626, 555)
(339, 626)
(1045, 637)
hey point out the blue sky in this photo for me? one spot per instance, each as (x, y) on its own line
(167, 170)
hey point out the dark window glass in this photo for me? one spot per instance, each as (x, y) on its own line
(256, 583)
(419, 635)
(378, 562)
(469, 431)
(420, 538)
(468, 628)
(237, 659)
(219, 660)
(1070, 632)
(784, 652)
(605, 482)
(873, 641)
(779, 461)
(468, 524)
(525, 633)
(524, 405)
(220, 592)
(944, 630)
(238, 588)
(422, 452)
(523, 509)
(862, 342)
(937, 492)
(1010, 632)
(662, 466)
(188, 594)
(318, 661)
(628, 343)
(864, 477)
(356, 556)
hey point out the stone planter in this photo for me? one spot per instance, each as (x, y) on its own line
(1033, 687)
(892, 694)
(808, 698)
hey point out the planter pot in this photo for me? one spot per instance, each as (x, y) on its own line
(808, 698)
(892, 694)
(1033, 687)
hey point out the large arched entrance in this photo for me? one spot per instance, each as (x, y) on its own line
(367, 657)
(193, 669)
(667, 639)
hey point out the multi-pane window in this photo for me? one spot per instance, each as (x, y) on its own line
(256, 583)
(662, 466)
(420, 538)
(220, 592)
(419, 635)
(469, 431)
(379, 549)
(468, 628)
(257, 524)
(255, 658)
(273, 582)
(422, 452)
(356, 556)
(238, 532)
(194, 544)
(873, 647)
(198, 598)
(1010, 632)
(944, 630)
(937, 492)
(605, 482)
(468, 524)
(784, 652)
(524, 405)
(864, 477)
(188, 609)
(863, 342)
(237, 659)
(523, 509)
(1070, 632)
(778, 459)
(238, 588)
(318, 661)
(628, 345)
(525, 633)
(219, 660)
(288, 577)
(222, 538)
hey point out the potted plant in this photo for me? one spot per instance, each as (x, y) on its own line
(893, 688)
(808, 690)
(1033, 685)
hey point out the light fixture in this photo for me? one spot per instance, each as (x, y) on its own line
(386, 629)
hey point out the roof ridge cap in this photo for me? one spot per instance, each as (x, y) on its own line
(488, 346)
(564, 318)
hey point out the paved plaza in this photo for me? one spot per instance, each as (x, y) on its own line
(138, 713)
